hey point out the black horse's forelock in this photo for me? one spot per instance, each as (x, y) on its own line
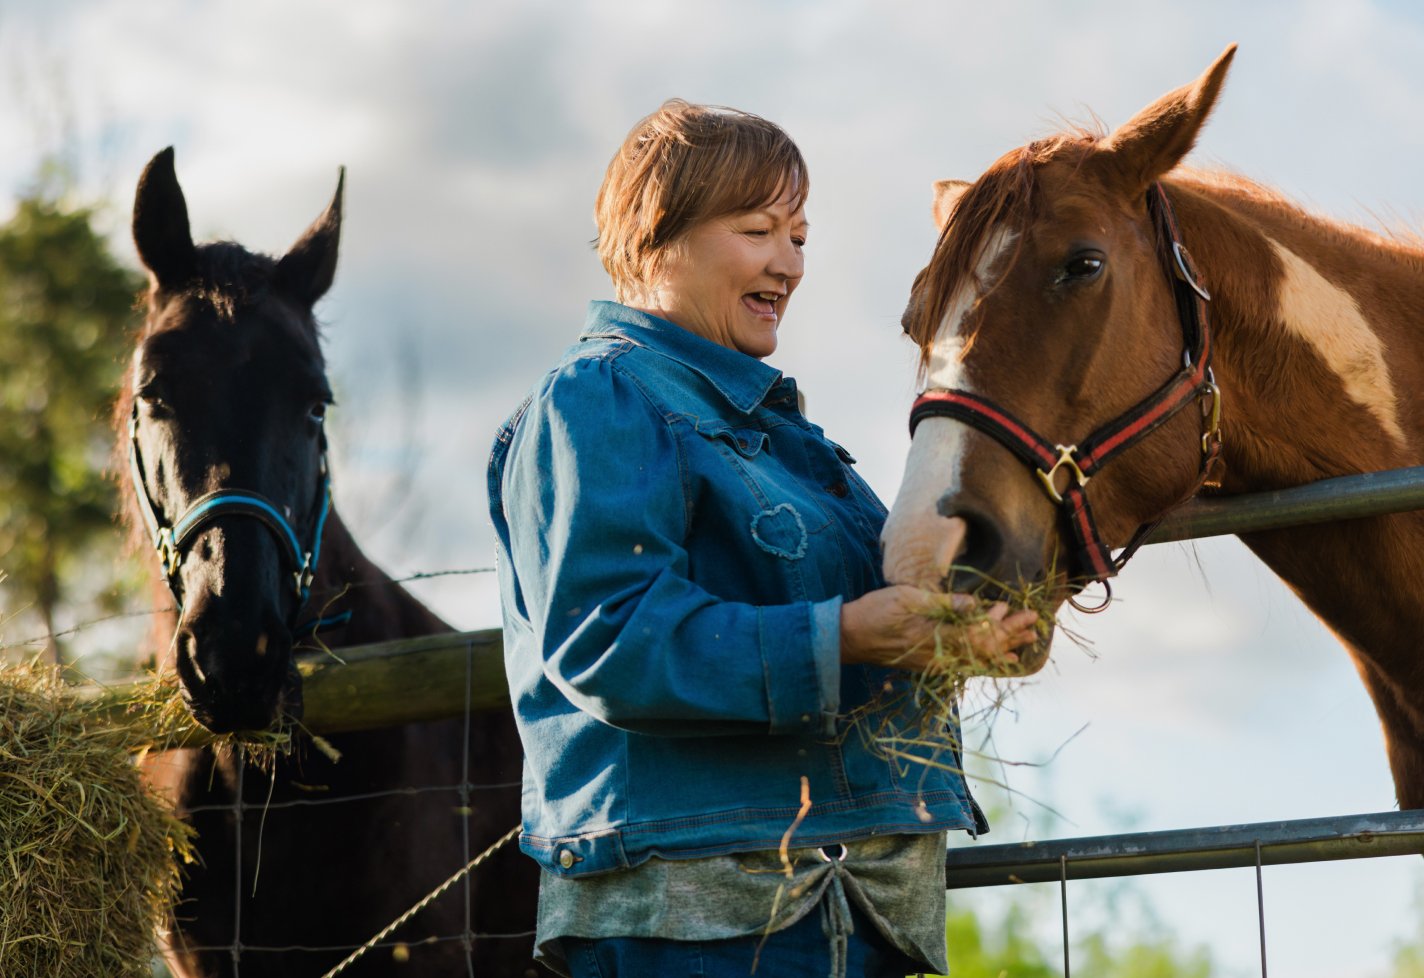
(229, 277)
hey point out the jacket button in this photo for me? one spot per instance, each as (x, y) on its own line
(839, 489)
(566, 859)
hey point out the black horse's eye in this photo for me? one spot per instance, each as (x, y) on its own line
(317, 412)
(154, 405)
(1082, 267)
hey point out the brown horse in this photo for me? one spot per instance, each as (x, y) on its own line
(222, 433)
(1054, 299)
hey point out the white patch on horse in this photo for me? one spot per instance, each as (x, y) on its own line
(945, 368)
(919, 542)
(1328, 318)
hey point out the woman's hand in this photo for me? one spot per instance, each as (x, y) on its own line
(895, 626)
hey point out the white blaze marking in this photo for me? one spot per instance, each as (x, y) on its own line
(919, 542)
(1329, 320)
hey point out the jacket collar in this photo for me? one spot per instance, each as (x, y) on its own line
(743, 380)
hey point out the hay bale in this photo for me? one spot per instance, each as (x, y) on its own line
(88, 855)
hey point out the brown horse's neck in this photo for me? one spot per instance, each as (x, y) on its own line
(1318, 353)
(1317, 347)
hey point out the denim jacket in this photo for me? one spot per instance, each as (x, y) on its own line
(675, 541)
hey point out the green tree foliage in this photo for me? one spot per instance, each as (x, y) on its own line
(66, 306)
(1008, 949)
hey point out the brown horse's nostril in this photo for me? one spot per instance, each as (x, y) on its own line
(983, 547)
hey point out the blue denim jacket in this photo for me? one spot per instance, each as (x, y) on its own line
(675, 540)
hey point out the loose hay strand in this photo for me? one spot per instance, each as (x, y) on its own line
(916, 720)
(91, 855)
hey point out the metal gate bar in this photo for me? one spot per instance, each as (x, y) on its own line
(1182, 850)
(1345, 497)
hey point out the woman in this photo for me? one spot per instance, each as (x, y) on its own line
(693, 604)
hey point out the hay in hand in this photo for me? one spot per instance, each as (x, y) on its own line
(916, 720)
(88, 851)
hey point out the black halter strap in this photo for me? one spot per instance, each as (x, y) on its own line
(1091, 560)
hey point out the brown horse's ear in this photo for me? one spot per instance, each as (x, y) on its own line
(946, 195)
(1157, 138)
(160, 224)
(306, 271)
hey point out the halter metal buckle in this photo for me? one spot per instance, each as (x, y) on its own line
(169, 556)
(303, 576)
(1065, 458)
(1212, 414)
(1179, 252)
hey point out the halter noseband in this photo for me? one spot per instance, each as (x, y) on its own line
(1091, 560)
(173, 540)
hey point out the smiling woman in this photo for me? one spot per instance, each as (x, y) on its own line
(694, 608)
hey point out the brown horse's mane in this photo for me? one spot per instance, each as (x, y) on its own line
(1404, 241)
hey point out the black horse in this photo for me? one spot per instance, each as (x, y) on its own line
(222, 426)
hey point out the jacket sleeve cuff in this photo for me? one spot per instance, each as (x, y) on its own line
(801, 660)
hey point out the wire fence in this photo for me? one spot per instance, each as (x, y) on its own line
(465, 646)
(411, 680)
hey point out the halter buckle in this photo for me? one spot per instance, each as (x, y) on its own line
(169, 556)
(1212, 414)
(1185, 272)
(303, 577)
(1065, 458)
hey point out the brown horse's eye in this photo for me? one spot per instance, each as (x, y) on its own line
(1082, 267)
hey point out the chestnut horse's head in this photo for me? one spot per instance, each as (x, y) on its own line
(224, 416)
(1047, 296)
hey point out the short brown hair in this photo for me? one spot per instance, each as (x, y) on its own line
(680, 166)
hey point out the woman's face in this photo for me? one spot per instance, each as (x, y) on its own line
(729, 278)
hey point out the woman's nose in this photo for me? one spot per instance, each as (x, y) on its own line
(787, 260)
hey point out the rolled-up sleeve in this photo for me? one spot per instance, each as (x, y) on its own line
(596, 496)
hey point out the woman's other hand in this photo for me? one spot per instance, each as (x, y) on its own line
(895, 626)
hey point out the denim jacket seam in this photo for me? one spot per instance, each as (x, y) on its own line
(662, 412)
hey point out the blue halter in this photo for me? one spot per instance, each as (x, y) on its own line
(172, 541)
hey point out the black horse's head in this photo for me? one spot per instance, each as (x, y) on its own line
(227, 452)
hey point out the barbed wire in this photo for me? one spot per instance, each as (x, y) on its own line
(344, 799)
(424, 902)
(170, 608)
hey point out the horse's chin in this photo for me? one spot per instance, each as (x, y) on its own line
(1034, 657)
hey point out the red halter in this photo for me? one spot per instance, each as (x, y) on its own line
(1091, 560)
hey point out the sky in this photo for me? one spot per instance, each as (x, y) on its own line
(475, 136)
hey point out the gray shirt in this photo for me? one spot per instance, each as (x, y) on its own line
(896, 880)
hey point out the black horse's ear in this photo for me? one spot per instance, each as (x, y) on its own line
(306, 271)
(160, 224)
